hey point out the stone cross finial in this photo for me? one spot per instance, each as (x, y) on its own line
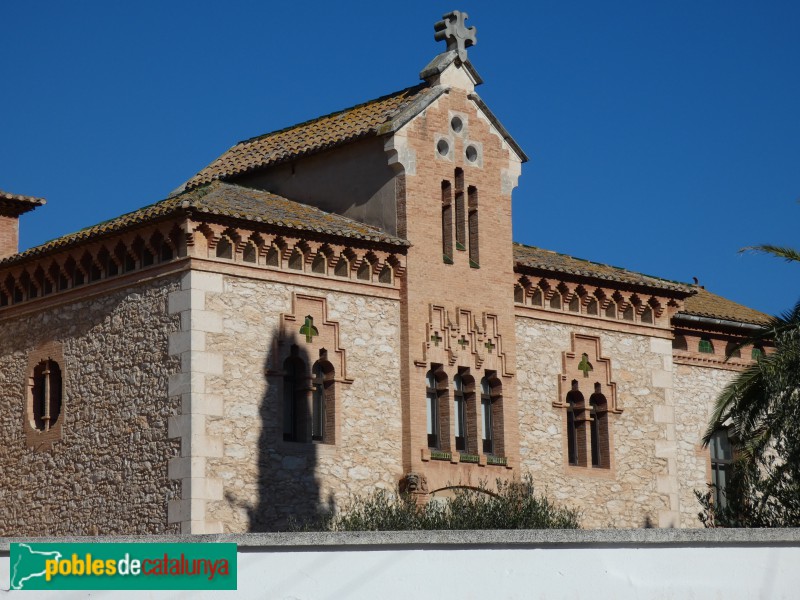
(451, 28)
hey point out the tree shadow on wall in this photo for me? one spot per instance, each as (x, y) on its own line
(287, 488)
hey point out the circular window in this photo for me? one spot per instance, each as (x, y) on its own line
(456, 124)
(472, 153)
(443, 147)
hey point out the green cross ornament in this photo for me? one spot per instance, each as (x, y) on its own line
(489, 346)
(585, 365)
(435, 338)
(463, 342)
(308, 329)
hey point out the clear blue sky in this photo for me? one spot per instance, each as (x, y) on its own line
(663, 136)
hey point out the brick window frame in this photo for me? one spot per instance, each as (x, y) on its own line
(43, 439)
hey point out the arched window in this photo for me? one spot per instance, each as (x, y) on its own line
(576, 435)
(705, 346)
(647, 315)
(342, 268)
(679, 342)
(364, 270)
(273, 257)
(447, 222)
(320, 264)
(250, 253)
(599, 428)
(611, 310)
(536, 299)
(460, 414)
(732, 350)
(461, 218)
(323, 411)
(296, 260)
(294, 400)
(591, 307)
(472, 218)
(519, 294)
(47, 387)
(757, 352)
(491, 414)
(627, 314)
(385, 276)
(224, 248)
(432, 409)
(555, 301)
(574, 304)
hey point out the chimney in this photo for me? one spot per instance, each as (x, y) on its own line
(11, 207)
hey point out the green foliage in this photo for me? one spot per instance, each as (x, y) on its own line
(513, 505)
(762, 408)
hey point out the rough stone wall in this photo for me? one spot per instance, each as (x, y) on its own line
(266, 480)
(639, 489)
(108, 473)
(696, 390)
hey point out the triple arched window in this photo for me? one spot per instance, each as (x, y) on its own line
(462, 416)
(460, 218)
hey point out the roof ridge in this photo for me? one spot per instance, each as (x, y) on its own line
(592, 262)
(415, 88)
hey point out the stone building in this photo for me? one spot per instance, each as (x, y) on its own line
(340, 306)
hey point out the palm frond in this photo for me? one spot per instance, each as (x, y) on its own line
(789, 254)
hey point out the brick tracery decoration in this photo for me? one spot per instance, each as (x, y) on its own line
(465, 339)
(547, 293)
(308, 327)
(589, 347)
(159, 243)
(317, 256)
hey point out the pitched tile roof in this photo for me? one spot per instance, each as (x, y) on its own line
(228, 200)
(705, 304)
(372, 118)
(19, 204)
(547, 260)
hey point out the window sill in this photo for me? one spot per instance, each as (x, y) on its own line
(480, 460)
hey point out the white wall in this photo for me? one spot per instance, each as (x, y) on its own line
(620, 564)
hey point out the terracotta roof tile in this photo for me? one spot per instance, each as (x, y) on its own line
(705, 304)
(227, 200)
(375, 117)
(19, 204)
(547, 260)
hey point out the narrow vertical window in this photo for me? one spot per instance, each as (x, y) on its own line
(461, 221)
(447, 222)
(294, 400)
(432, 409)
(486, 416)
(47, 387)
(576, 437)
(318, 404)
(474, 255)
(599, 428)
(721, 461)
(459, 413)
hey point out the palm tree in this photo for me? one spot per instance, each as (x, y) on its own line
(761, 408)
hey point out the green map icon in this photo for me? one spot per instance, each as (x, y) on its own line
(27, 564)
